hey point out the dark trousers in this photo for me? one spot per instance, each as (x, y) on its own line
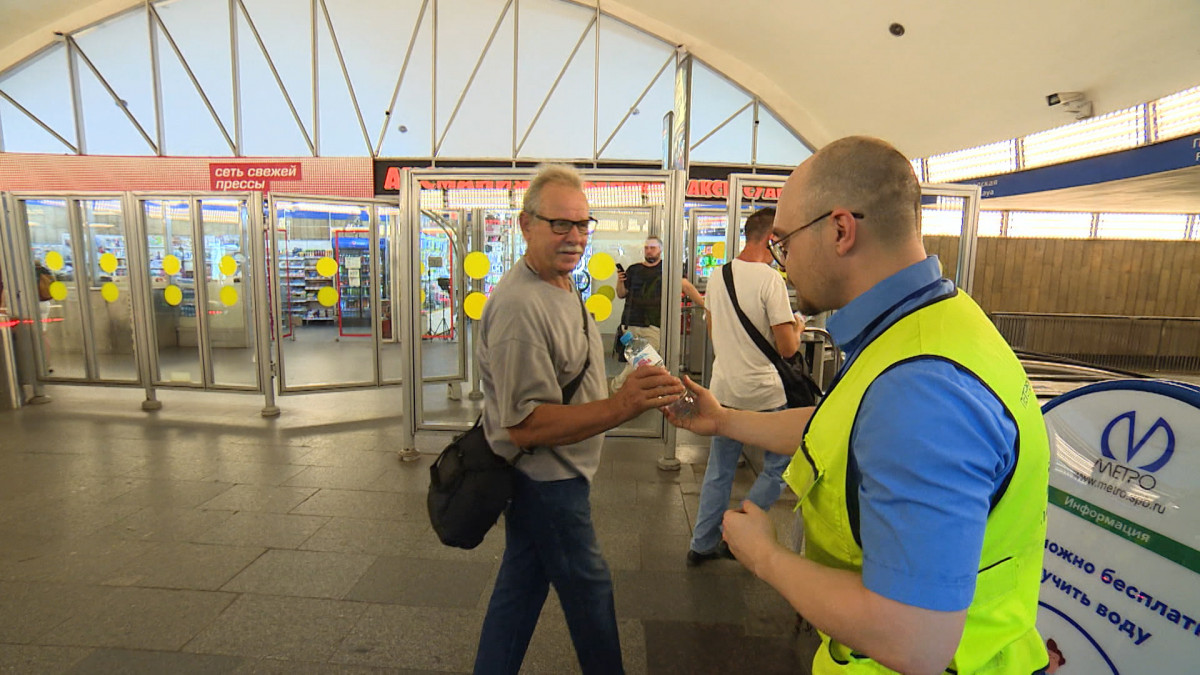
(549, 539)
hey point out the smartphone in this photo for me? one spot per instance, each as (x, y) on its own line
(620, 268)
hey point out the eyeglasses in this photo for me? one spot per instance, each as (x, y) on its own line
(563, 226)
(779, 250)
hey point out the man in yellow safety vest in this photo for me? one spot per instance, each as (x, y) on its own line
(922, 473)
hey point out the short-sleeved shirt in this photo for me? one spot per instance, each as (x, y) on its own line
(531, 345)
(742, 377)
(643, 299)
(930, 446)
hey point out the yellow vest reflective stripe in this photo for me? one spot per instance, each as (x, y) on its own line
(999, 635)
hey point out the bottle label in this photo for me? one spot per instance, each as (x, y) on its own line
(645, 356)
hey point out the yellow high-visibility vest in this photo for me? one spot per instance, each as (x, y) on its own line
(999, 635)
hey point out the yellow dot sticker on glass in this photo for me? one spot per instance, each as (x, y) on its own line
(477, 265)
(327, 267)
(599, 306)
(54, 261)
(171, 265)
(229, 296)
(608, 292)
(172, 295)
(473, 305)
(327, 296)
(422, 296)
(58, 290)
(602, 266)
(110, 292)
(227, 265)
(108, 263)
(719, 250)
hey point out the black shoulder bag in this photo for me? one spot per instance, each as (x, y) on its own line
(470, 485)
(798, 384)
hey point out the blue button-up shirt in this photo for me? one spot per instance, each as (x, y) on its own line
(929, 448)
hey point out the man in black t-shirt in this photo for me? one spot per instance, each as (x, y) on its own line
(641, 288)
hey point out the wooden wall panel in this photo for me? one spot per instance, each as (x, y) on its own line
(1081, 276)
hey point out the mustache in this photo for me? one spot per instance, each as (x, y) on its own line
(570, 249)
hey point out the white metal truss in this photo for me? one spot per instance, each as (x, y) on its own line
(161, 40)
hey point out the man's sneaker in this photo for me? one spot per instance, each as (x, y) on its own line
(695, 558)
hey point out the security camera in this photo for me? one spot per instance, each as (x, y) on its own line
(1064, 97)
(1074, 103)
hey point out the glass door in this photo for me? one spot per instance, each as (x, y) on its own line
(199, 267)
(80, 272)
(330, 274)
(467, 236)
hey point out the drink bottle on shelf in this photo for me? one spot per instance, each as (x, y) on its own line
(639, 352)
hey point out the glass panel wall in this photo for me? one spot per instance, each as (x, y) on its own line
(171, 254)
(60, 317)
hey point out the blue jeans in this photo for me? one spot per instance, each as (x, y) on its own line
(723, 457)
(549, 539)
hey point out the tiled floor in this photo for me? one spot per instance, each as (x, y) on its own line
(203, 538)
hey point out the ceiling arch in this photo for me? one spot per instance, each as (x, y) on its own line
(963, 74)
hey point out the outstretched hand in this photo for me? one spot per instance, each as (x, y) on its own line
(646, 388)
(709, 412)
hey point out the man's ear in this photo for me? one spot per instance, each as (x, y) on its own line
(523, 219)
(846, 231)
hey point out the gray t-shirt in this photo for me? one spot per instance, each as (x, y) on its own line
(531, 345)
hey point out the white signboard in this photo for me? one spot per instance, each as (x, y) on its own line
(1121, 579)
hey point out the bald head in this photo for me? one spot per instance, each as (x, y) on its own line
(864, 175)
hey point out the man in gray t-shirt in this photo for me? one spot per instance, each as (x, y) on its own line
(534, 339)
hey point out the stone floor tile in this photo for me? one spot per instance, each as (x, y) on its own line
(29, 609)
(39, 658)
(377, 537)
(254, 473)
(277, 667)
(334, 477)
(413, 637)
(166, 524)
(299, 629)
(178, 494)
(362, 504)
(141, 618)
(700, 598)
(135, 662)
(84, 560)
(717, 649)
(201, 567)
(260, 498)
(312, 574)
(424, 583)
(269, 530)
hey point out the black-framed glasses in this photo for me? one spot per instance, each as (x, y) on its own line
(563, 226)
(779, 250)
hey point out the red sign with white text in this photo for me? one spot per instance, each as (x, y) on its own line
(250, 176)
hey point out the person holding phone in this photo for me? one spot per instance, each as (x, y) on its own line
(641, 288)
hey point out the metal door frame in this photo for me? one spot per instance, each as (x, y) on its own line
(27, 284)
(254, 266)
(671, 232)
(276, 304)
(964, 276)
(465, 230)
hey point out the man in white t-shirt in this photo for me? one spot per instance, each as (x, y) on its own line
(743, 378)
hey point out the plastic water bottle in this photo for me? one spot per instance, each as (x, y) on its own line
(639, 352)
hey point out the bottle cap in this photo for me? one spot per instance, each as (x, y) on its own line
(626, 338)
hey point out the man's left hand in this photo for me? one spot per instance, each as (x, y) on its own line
(750, 536)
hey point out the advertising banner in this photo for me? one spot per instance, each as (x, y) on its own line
(318, 176)
(1121, 574)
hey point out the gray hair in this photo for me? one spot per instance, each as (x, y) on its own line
(549, 174)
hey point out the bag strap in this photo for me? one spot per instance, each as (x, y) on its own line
(568, 391)
(761, 342)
